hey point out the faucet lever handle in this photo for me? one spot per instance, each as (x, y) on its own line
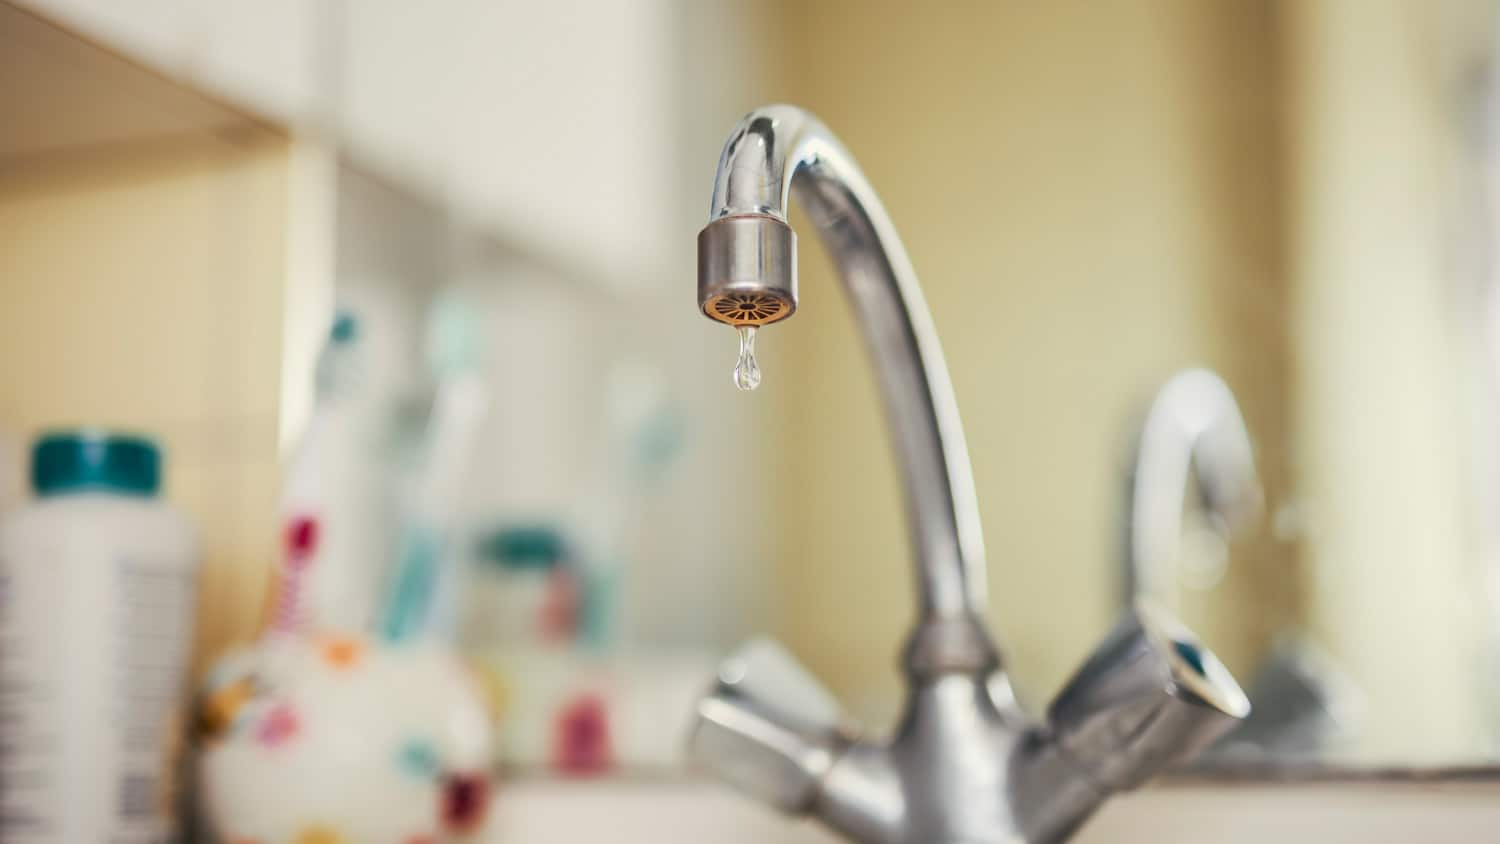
(768, 727)
(1151, 695)
(762, 671)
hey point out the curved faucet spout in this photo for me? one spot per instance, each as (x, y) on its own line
(1194, 426)
(747, 276)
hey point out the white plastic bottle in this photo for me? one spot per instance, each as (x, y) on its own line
(97, 593)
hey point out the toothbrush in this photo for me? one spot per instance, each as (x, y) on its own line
(643, 436)
(643, 440)
(302, 499)
(419, 594)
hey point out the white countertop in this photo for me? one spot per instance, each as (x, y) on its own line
(624, 812)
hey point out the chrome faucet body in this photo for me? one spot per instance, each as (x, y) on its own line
(965, 765)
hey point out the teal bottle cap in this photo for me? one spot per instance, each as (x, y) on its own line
(82, 461)
(533, 547)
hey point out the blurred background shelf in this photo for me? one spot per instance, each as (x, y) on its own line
(238, 169)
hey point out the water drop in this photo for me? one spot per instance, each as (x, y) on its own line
(746, 370)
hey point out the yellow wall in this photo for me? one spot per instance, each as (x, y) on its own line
(1086, 190)
(142, 288)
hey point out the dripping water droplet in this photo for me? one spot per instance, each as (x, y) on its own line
(746, 370)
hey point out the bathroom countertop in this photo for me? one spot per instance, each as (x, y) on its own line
(1272, 773)
(1184, 811)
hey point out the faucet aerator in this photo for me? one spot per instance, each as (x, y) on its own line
(747, 270)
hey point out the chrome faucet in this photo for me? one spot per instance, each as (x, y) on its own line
(1193, 428)
(965, 765)
(1305, 704)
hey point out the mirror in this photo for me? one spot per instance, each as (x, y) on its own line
(1217, 284)
(1291, 200)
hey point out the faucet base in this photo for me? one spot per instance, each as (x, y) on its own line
(965, 766)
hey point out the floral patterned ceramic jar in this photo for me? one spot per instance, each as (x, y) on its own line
(340, 740)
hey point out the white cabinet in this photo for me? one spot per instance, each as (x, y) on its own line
(564, 127)
(259, 53)
(551, 123)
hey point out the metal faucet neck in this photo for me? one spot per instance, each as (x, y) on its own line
(780, 150)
